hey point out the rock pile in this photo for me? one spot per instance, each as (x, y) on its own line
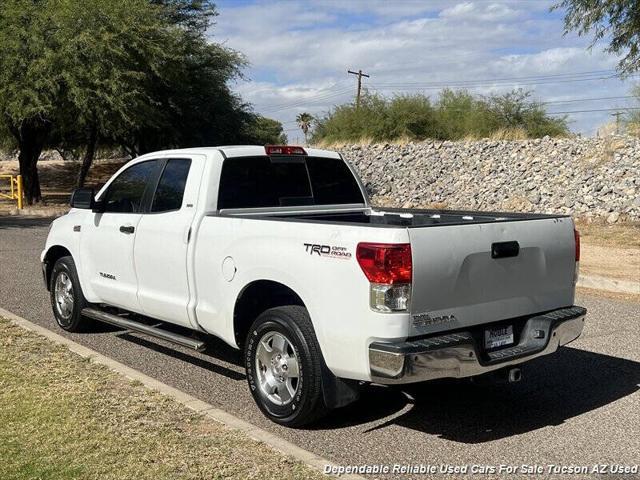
(590, 178)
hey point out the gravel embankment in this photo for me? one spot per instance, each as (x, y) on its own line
(587, 177)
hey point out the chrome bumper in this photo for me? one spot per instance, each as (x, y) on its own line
(461, 354)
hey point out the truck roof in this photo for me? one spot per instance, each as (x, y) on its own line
(240, 151)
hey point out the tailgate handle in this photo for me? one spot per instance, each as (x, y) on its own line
(505, 249)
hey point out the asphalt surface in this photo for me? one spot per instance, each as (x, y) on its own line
(580, 406)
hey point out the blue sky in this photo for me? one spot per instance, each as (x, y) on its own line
(299, 53)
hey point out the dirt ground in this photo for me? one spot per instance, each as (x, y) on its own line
(619, 263)
(57, 180)
(610, 250)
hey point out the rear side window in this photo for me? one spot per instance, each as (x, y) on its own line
(125, 193)
(253, 182)
(170, 190)
(332, 182)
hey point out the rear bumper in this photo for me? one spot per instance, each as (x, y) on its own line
(461, 354)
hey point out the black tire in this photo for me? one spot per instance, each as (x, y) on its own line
(69, 319)
(307, 404)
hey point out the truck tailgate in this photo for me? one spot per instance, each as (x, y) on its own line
(459, 281)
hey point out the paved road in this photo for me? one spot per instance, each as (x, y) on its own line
(581, 406)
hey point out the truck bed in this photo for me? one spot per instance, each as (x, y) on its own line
(397, 217)
(476, 268)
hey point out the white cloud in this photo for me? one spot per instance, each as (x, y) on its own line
(492, 12)
(299, 52)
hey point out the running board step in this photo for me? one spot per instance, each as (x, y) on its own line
(176, 338)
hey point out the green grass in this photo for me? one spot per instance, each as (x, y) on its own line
(63, 417)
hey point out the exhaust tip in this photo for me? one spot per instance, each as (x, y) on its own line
(515, 375)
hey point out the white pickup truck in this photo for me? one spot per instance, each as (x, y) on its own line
(277, 251)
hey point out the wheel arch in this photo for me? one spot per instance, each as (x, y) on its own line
(256, 297)
(54, 253)
(260, 295)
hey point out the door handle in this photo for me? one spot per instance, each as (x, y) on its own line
(127, 229)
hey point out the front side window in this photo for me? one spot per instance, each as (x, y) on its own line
(125, 193)
(171, 186)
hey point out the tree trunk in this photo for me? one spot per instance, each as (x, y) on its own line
(31, 137)
(89, 155)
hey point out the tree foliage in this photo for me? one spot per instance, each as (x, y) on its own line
(616, 21)
(454, 115)
(305, 121)
(266, 131)
(141, 74)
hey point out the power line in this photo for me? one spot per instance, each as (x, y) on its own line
(323, 91)
(490, 84)
(309, 98)
(560, 102)
(593, 110)
(555, 102)
(306, 101)
(330, 92)
(499, 79)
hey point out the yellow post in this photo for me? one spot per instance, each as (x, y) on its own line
(19, 182)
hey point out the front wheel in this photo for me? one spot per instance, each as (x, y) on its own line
(284, 366)
(67, 299)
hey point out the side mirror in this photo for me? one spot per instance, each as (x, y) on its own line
(83, 198)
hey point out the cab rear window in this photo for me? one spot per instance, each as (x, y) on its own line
(255, 182)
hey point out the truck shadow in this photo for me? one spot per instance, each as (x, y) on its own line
(554, 390)
(218, 357)
(200, 360)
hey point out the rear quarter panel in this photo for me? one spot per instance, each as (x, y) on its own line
(334, 290)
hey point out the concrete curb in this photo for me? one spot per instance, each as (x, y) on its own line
(314, 461)
(608, 284)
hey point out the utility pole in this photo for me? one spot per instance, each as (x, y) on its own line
(360, 75)
(617, 115)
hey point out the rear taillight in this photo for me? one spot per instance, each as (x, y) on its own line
(576, 272)
(388, 268)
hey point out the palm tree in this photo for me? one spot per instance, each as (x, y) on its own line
(304, 120)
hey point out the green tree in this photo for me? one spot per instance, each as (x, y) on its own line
(29, 82)
(195, 16)
(265, 131)
(71, 64)
(136, 73)
(616, 21)
(454, 115)
(304, 121)
(107, 51)
(460, 114)
(517, 109)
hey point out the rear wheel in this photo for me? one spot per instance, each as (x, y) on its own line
(67, 299)
(284, 366)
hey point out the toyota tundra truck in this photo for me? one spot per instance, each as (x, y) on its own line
(277, 251)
